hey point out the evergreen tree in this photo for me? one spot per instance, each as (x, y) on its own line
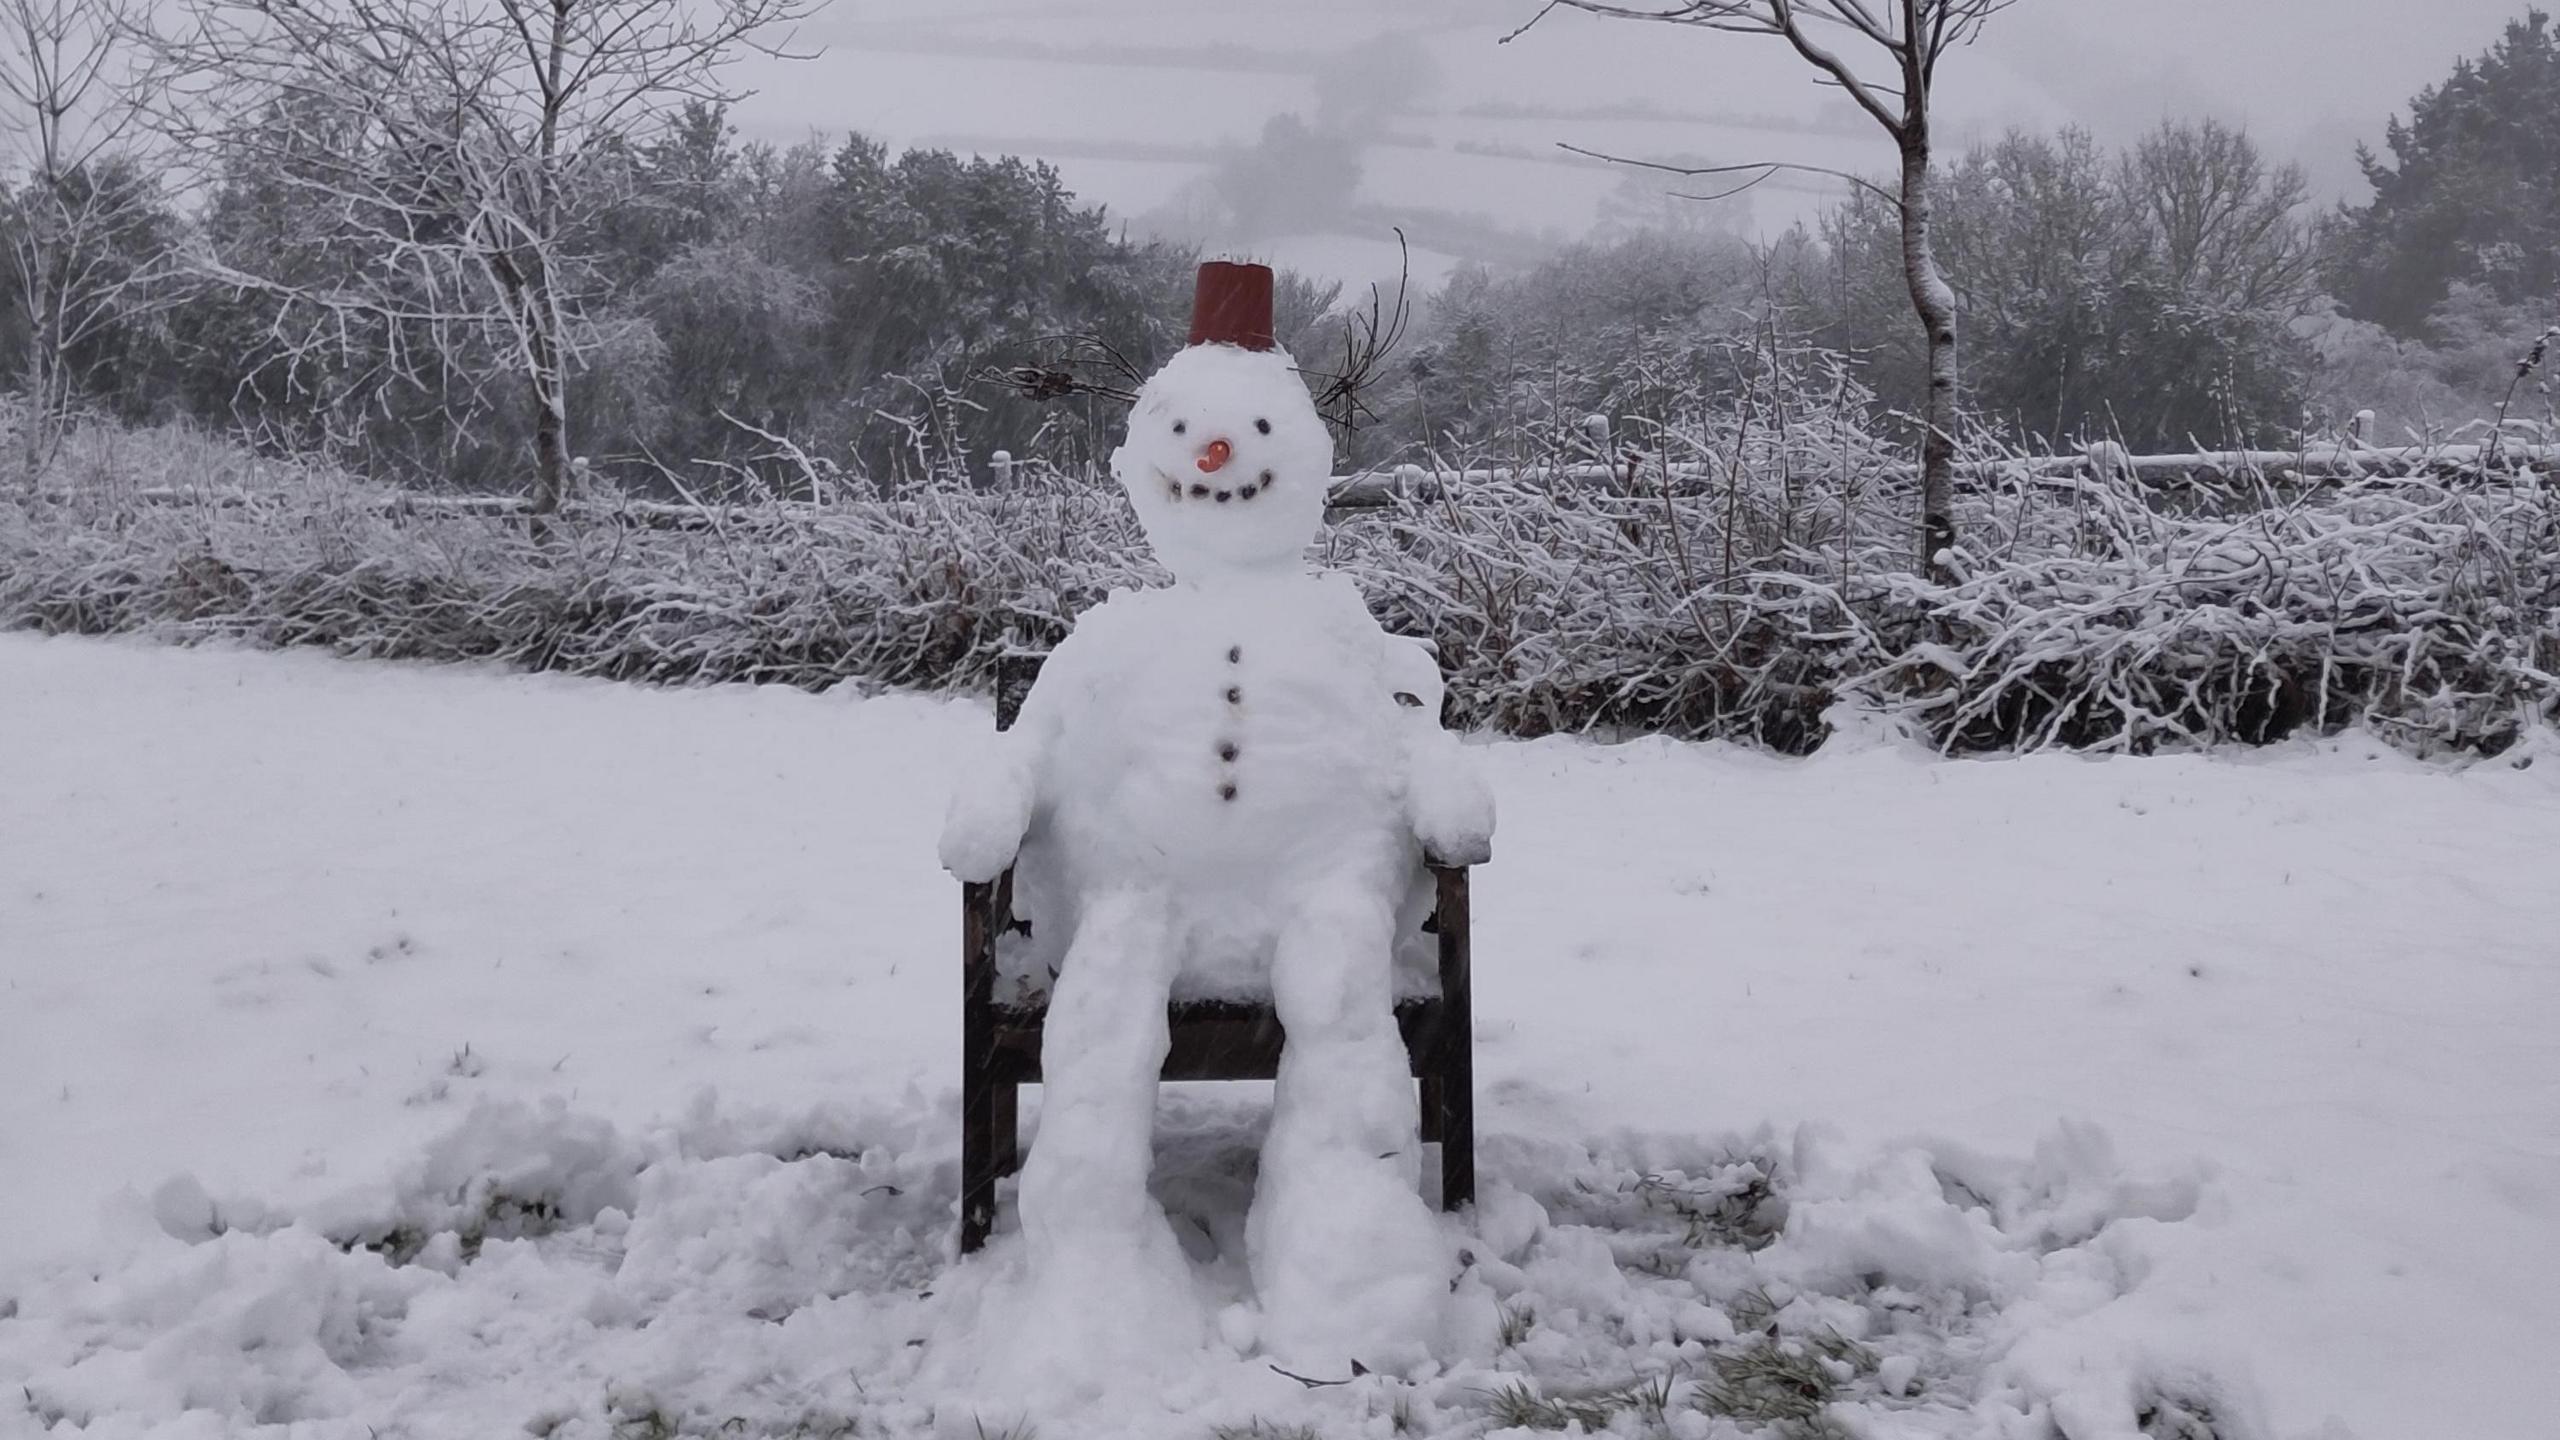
(2469, 193)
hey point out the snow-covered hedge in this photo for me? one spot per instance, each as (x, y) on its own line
(2428, 609)
(1742, 597)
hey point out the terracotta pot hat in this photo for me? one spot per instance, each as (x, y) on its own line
(1231, 305)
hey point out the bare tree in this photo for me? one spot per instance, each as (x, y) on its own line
(1884, 55)
(76, 195)
(2227, 223)
(457, 158)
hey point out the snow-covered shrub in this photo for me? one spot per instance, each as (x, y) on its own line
(924, 590)
(2428, 609)
(1748, 570)
(1752, 567)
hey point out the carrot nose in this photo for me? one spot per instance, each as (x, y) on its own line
(1214, 456)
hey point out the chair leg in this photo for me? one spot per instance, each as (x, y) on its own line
(1458, 1137)
(1456, 1070)
(979, 1139)
(981, 908)
(1007, 1129)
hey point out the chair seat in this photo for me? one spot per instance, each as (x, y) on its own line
(1211, 1040)
(1028, 958)
(1208, 1040)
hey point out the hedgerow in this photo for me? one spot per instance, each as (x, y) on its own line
(1739, 579)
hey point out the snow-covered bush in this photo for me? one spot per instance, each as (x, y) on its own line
(171, 535)
(2428, 609)
(1747, 571)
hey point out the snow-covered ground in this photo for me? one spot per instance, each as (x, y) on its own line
(2084, 1087)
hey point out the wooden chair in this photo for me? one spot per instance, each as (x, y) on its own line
(1211, 1040)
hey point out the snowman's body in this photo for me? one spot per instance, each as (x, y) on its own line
(1268, 763)
(1235, 779)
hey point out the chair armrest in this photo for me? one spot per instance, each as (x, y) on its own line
(986, 908)
(1453, 930)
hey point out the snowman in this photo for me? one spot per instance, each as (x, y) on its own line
(1229, 782)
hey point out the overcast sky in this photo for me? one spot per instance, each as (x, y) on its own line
(2317, 74)
(2291, 67)
(1129, 96)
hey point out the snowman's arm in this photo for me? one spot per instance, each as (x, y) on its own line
(995, 797)
(1447, 801)
(991, 808)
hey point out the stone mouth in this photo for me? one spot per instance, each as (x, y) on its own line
(1231, 492)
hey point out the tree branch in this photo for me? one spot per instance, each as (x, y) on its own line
(1766, 167)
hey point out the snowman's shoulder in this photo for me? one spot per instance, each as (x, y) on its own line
(1398, 664)
(1126, 612)
(1403, 657)
(1124, 601)
(1413, 666)
(1096, 643)
(1337, 597)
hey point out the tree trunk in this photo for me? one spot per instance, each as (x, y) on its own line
(550, 415)
(48, 393)
(550, 449)
(1935, 303)
(550, 382)
(38, 380)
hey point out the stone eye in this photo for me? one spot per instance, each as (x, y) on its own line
(1263, 426)
(1179, 427)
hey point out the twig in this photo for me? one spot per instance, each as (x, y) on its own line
(1312, 1383)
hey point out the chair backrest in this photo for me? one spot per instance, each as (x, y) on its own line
(1015, 671)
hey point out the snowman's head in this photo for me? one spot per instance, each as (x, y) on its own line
(1226, 462)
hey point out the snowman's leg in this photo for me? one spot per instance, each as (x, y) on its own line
(1347, 1258)
(1107, 1278)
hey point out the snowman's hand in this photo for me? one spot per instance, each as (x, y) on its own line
(1447, 801)
(990, 812)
